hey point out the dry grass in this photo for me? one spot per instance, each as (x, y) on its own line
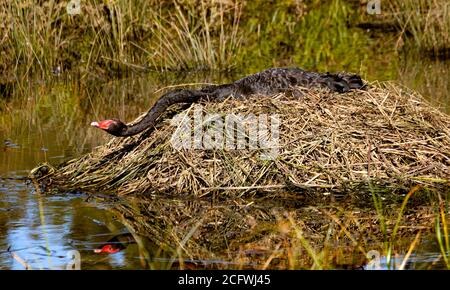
(328, 143)
(204, 35)
(117, 35)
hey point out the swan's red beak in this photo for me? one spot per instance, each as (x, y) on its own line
(102, 124)
(107, 249)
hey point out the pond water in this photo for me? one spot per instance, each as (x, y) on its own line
(48, 121)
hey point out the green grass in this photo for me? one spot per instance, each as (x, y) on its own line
(442, 232)
(117, 36)
(425, 22)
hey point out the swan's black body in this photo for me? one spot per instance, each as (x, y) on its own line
(267, 82)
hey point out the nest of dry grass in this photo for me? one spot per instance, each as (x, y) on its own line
(328, 143)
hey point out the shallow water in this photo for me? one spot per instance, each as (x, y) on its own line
(51, 125)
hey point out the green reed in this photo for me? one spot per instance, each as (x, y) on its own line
(425, 22)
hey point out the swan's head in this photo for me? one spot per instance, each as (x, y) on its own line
(114, 127)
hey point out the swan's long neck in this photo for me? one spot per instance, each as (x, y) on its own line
(171, 98)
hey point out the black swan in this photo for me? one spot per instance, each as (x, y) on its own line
(267, 82)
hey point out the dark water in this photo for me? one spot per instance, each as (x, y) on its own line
(47, 121)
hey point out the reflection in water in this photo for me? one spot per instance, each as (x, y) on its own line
(429, 77)
(116, 244)
(267, 233)
(50, 122)
(42, 230)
